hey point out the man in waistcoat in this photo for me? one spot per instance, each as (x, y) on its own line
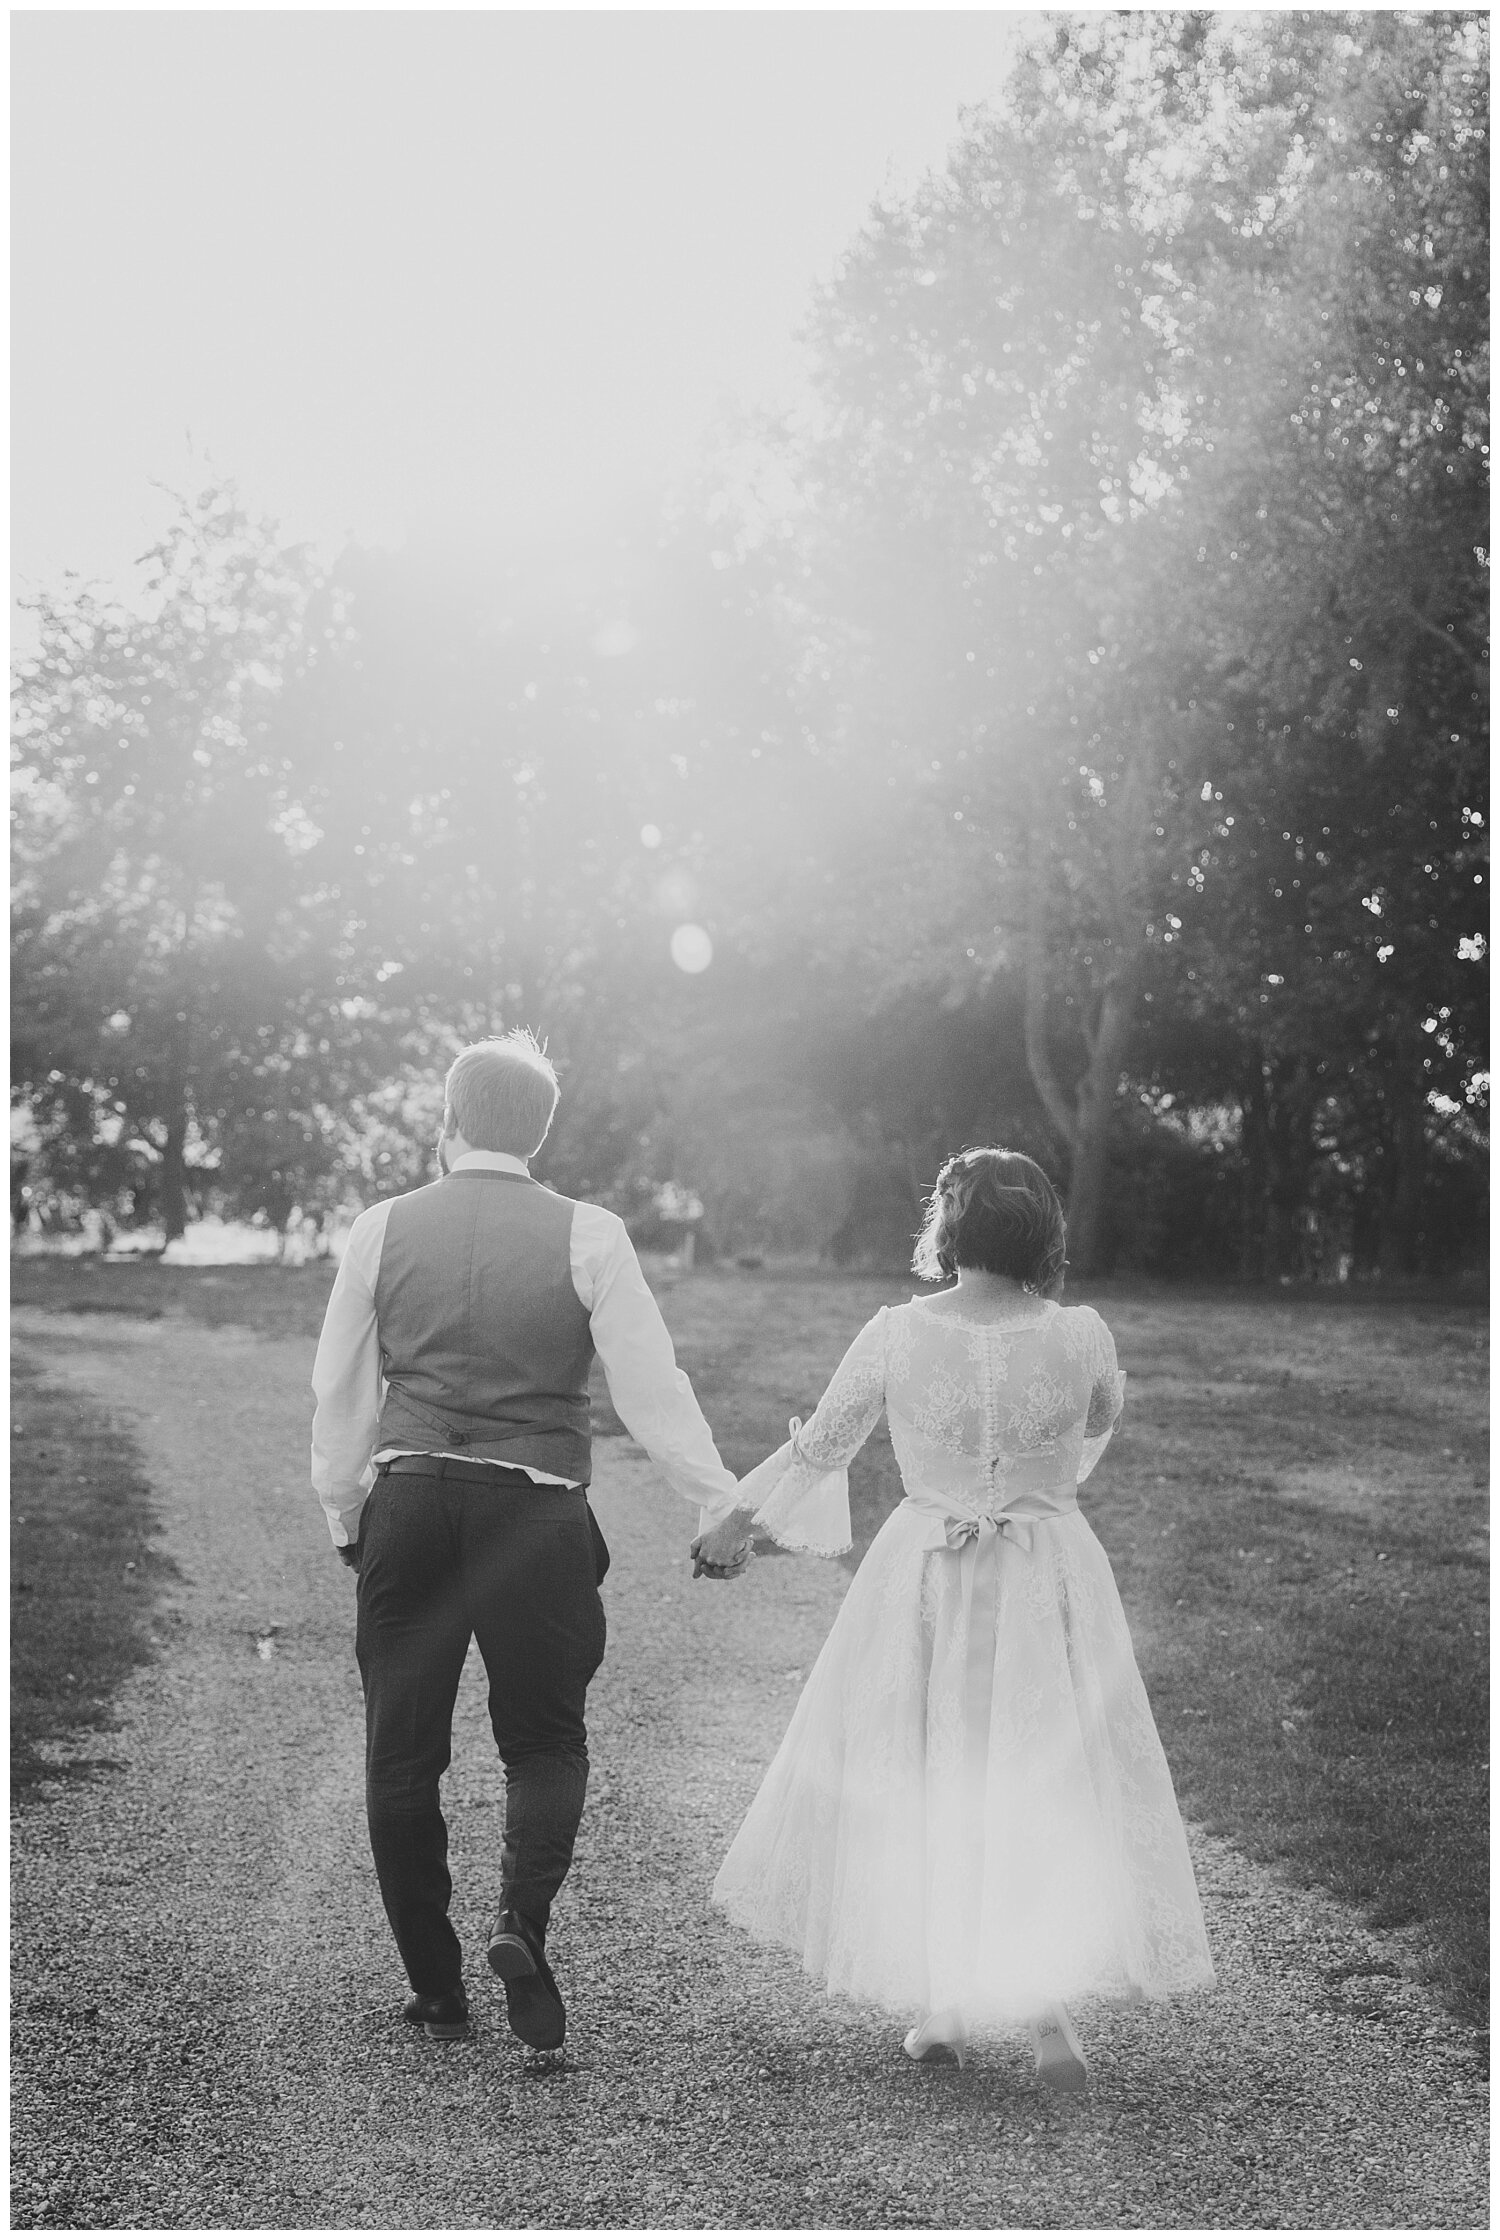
(451, 1454)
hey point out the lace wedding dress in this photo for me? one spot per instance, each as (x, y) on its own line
(971, 1807)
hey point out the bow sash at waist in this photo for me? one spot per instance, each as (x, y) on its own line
(981, 1533)
(976, 1543)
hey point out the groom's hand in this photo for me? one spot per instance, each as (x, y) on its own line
(724, 1550)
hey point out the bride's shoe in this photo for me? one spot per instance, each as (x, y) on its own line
(1059, 2057)
(940, 2038)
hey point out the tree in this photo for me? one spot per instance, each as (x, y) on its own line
(993, 362)
(1054, 381)
(496, 801)
(161, 962)
(1334, 903)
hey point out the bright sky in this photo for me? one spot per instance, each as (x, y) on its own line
(432, 273)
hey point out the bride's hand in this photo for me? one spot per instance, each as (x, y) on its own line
(724, 1550)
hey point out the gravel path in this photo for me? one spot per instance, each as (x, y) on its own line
(207, 1999)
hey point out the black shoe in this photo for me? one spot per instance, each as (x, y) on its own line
(442, 2014)
(533, 2002)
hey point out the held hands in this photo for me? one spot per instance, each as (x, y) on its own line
(349, 1555)
(724, 1551)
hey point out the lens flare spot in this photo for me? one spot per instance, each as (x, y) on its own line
(692, 951)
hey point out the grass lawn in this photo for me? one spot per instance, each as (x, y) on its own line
(82, 1571)
(1295, 1507)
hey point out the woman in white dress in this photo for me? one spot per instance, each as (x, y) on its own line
(970, 1816)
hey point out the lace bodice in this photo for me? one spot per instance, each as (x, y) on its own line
(985, 1417)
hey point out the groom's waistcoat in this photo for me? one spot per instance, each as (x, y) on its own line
(485, 1345)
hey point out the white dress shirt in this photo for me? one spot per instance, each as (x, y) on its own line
(650, 1393)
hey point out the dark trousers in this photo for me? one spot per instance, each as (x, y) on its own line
(516, 1566)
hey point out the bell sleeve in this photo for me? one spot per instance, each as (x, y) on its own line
(1106, 1396)
(800, 1494)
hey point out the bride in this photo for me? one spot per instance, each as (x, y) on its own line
(970, 1817)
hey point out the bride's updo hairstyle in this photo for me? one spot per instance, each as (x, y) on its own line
(994, 1210)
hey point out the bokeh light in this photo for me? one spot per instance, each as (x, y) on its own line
(692, 951)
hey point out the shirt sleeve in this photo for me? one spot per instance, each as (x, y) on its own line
(651, 1395)
(347, 1383)
(800, 1494)
(1106, 1394)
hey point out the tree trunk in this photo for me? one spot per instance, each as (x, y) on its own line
(1088, 1185)
(1290, 1098)
(1255, 1144)
(1403, 1243)
(174, 1204)
(1083, 1119)
(174, 1178)
(1058, 1105)
(1086, 1201)
(1282, 1255)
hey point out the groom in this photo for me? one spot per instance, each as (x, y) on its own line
(451, 1453)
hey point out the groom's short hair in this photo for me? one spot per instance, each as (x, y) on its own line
(503, 1093)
